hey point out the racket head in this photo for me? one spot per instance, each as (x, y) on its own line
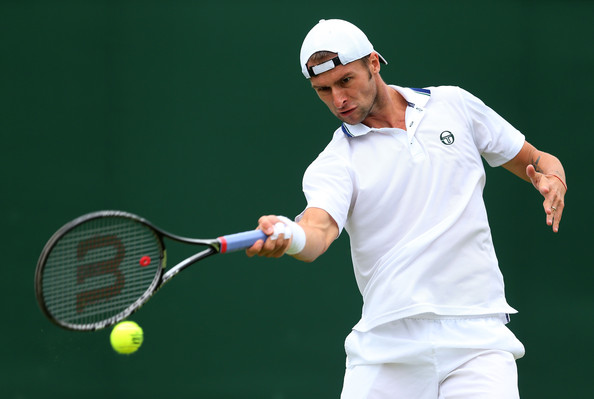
(98, 269)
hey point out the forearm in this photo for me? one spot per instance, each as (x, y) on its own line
(320, 231)
(542, 162)
(315, 245)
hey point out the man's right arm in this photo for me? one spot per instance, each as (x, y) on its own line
(320, 231)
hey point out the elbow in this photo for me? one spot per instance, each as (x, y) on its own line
(310, 254)
(307, 257)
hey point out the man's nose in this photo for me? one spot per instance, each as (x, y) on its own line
(338, 98)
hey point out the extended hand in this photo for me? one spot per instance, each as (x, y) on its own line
(553, 190)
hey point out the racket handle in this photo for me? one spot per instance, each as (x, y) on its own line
(239, 241)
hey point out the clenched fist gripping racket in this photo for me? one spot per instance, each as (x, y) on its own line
(101, 267)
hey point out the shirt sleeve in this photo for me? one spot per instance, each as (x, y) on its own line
(328, 185)
(497, 140)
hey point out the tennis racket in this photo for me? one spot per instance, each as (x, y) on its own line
(103, 266)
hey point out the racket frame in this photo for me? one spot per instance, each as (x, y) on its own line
(214, 246)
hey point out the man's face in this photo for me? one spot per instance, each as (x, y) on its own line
(349, 91)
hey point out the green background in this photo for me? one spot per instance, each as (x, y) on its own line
(195, 115)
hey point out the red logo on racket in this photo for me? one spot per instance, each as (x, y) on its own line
(145, 261)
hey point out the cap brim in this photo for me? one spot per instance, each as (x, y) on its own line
(382, 59)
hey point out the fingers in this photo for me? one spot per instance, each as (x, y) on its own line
(266, 224)
(531, 172)
(277, 242)
(537, 180)
(554, 202)
(532, 175)
(271, 248)
(255, 249)
(554, 206)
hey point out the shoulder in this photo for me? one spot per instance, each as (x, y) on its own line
(334, 155)
(455, 97)
(338, 144)
(448, 93)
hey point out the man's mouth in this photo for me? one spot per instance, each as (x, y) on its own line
(346, 112)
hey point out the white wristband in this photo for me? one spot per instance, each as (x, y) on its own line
(295, 231)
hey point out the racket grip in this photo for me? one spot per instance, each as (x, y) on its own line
(239, 241)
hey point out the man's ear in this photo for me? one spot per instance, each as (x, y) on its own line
(374, 62)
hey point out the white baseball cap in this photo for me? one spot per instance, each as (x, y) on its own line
(337, 36)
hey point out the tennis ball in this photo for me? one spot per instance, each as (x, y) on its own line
(126, 337)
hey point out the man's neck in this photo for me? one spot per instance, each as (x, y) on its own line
(389, 110)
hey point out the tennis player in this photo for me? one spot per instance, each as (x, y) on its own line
(403, 175)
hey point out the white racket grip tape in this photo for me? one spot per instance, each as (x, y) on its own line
(296, 232)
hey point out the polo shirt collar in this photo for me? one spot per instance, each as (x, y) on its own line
(416, 98)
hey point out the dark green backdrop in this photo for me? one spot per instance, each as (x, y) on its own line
(195, 115)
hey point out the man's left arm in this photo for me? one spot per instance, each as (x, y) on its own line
(546, 173)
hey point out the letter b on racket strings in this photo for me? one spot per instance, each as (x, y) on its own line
(99, 268)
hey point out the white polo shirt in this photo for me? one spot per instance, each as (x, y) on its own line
(411, 202)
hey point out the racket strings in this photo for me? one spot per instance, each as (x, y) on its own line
(99, 269)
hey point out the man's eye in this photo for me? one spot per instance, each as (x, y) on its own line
(346, 80)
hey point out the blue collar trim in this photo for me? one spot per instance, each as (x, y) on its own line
(345, 130)
(425, 92)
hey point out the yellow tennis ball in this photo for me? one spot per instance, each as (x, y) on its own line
(126, 337)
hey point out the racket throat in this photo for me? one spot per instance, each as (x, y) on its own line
(187, 262)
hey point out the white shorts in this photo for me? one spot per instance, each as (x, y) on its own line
(433, 358)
